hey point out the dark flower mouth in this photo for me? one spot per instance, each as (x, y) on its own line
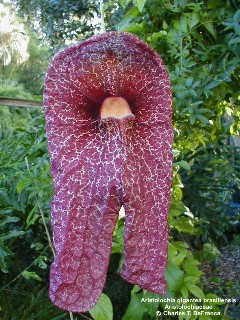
(108, 109)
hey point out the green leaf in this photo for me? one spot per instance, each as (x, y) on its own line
(32, 216)
(195, 290)
(172, 7)
(236, 23)
(118, 236)
(116, 248)
(202, 118)
(124, 3)
(190, 266)
(180, 257)
(41, 262)
(37, 246)
(211, 85)
(11, 234)
(193, 20)
(192, 119)
(7, 220)
(234, 41)
(4, 252)
(22, 184)
(172, 251)
(183, 224)
(135, 289)
(136, 308)
(34, 194)
(210, 28)
(151, 306)
(187, 316)
(229, 110)
(181, 24)
(177, 193)
(157, 35)
(176, 256)
(174, 277)
(62, 317)
(189, 82)
(103, 310)
(213, 299)
(133, 28)
(140, 4)
(175, 153)
(177, 207)
(31, 275)
(183, 164)
(184, 292)
(180, 244)
(191, 279)
(129, 17)
(209, 252)
(205, 317)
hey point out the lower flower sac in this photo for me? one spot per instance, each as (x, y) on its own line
(108, 109)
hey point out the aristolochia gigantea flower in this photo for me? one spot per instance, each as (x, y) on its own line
(108, 108)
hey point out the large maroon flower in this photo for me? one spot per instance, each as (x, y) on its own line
(108, 114)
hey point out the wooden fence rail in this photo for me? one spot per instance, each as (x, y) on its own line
(15, 102)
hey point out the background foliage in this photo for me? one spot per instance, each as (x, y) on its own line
(199, 42)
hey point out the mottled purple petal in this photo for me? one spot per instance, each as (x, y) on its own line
(100, 164)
